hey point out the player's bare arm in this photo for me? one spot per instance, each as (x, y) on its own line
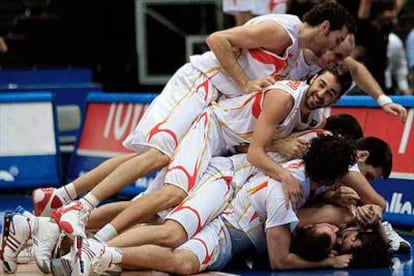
(267, 35)
(367, 83)
(276, 107)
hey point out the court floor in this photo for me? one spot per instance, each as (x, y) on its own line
(403, 264)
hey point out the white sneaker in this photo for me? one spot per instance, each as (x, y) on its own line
(397, 243)
(62, 266)
(86, 253)
(45, 200)
(26, 255)
(16, 234)
(103, 265)
(45, 236)
(72, 219)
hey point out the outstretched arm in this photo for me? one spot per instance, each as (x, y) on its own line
(367, 83)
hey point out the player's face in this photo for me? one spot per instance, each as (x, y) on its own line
(323, 91)
(369, 172)
(338, 54)
(348, 240)
(328, 40)
(329, 229)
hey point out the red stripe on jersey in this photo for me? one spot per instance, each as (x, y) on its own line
(268, 58)
(257, 105)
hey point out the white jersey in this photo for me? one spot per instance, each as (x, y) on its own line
(257, 63)
(302, 70)
(237, 116)
(260, 204)
(258, 7)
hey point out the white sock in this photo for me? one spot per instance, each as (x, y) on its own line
(67, 193)
(89, 201)
(106, 233)
(116, 254)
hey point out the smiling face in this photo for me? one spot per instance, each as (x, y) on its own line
(323, 91)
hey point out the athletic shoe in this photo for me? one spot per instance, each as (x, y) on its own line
(103, 265)
(397, 243)
(86, 253)
(16, 234)
(45, 200)
(62, 266)
(45, 236)
(26, 255)
(72, 218)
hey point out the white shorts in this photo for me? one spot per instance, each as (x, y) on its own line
(203, 140)
(171, 113)
(212, 246)
(206, 201)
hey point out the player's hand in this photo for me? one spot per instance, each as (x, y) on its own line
(292, 190)
(258, 84)
(396, 110)
(289, 147)
(343, 196)
(340, 261)
(368, 214)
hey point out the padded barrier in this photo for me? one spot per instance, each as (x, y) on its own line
(108, 119)
(29, 155)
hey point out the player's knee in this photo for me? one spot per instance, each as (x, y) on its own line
(174, 234)
(186, 263)
(159, 158)
(173, 195)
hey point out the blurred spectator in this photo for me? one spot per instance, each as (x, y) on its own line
(397, 69)
(3, 45)
(409, 45)
(372, 37)
(243, 10)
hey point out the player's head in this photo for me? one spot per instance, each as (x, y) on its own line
(327, 86)
(383, 14)
(333, 22)
(328, 158)
(374, 158)
(314, 242)
(345, 125)
(338, 54)
(368, 248)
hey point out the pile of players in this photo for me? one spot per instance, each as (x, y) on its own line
(248, 164)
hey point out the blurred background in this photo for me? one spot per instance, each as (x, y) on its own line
(135, 45)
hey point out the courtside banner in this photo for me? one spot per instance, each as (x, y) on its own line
(108, 120)
(398, 191)
(29, 156)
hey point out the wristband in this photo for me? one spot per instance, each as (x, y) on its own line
(383, 100)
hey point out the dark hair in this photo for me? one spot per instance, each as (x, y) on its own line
(373, 252)
(311, 246)
(344, 125)
(328, 158)
(335, 13)
(341, 73)
(380, 154)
